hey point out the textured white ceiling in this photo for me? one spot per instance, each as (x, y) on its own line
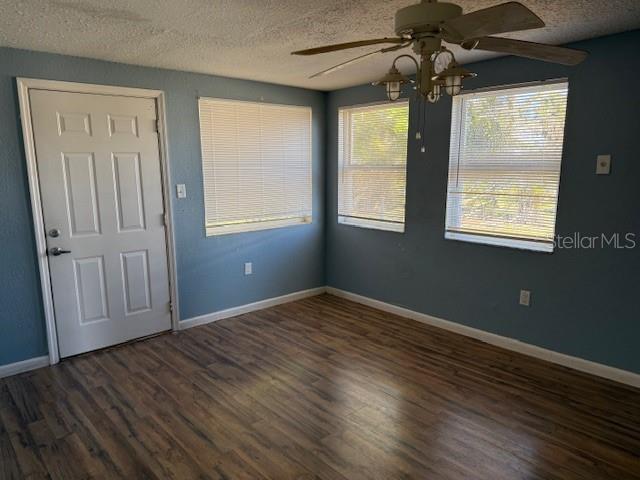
(253, 38)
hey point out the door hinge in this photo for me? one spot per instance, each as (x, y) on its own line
(171, 307)
(156, 125)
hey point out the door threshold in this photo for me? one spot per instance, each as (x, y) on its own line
(118, 345)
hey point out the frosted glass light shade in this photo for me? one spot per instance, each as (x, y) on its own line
(393, 90)
(453, 84)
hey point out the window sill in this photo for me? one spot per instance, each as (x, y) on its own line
(519, 244)
(372, 224)
(256, 226)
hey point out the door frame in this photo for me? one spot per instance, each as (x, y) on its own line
(26, 84)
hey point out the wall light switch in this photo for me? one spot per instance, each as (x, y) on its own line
(525, 298)
(248, 268)
(181, 190)
(603, 167)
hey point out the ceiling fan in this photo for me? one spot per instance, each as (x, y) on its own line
(429, 24)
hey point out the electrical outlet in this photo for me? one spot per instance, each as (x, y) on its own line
(248, 268)
(181, 190)
(525, 298)
(603, 167)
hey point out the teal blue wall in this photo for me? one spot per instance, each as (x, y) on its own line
(210, 269)
(584, 302)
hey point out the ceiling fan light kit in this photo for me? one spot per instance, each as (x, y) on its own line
(427, 25)
(394, 79)
(452, 78)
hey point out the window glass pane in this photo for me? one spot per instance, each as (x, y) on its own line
(256, 162)
(372, 159)
(379, 135)
(504, 168)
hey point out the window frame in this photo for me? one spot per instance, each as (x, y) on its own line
(248, 225)
(514, 242)
(360, 222)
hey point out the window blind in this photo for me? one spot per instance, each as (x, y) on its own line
(256, 164)
(504, 165)
(372, 151)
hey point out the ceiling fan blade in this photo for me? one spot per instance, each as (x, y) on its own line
(537, 51)
(344, 46)
(506, 17)
(358, 58)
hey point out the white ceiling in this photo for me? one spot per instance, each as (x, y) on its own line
(253, 38)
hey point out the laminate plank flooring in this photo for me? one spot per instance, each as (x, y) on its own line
(320, 388)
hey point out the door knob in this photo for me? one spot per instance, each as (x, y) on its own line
(56, 251)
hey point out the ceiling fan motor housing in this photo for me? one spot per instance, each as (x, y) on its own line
(424, 17)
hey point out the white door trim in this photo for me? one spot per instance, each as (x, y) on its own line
(26, 84)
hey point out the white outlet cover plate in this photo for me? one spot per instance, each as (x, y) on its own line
(248, 268)
(525, 297)
(181, 190)
(603, 165)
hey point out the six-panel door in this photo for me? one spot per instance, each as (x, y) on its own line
(100, 181)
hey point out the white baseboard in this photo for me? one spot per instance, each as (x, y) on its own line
(23, 366)
(587, 366)
(250, 307)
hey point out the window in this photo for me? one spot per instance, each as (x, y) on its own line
(504, 165)
(372, 151)
(256, 165)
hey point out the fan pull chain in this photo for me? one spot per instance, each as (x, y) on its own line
(420, 133)
(423, 148)
(419, 114)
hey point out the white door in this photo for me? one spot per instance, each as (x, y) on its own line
(100, 180)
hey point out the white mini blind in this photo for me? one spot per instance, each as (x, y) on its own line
(372, 151)
(256, 164)
(504, 165)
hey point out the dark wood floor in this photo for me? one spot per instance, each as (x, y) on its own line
(320, 388)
